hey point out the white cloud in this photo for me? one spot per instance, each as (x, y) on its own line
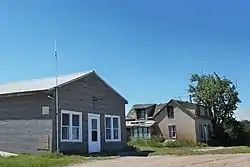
(243, 113)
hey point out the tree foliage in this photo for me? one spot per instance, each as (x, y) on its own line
(221, 97)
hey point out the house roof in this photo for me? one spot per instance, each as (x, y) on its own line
(147, 123)
(142, 106)
(43, 84)
(39, 84)
(158, 108)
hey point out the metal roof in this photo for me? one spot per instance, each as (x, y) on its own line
(39, 84)
(142, 106)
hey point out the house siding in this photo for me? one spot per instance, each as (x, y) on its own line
(199, 122)
(78, 96)
(23, 127)
(193, 108)
(185, 125)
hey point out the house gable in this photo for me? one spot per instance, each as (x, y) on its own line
(89, 94)
(185, 124)
(97, 77)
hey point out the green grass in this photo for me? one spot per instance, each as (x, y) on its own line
(231, 150)
(155, 142)
(157, 146)
(45, 160)
(193, 151)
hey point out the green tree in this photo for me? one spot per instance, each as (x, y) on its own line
(220, 96)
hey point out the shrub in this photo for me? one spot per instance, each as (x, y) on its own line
(153, 142)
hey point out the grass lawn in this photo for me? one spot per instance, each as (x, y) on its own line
(46, 160)
(194, 151)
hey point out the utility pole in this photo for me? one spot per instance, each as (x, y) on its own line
(56, 92)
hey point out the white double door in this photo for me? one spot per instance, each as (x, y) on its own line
(94, 142)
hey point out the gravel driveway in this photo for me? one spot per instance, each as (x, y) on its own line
(175, 161)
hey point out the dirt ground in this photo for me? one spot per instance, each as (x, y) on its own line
(175, 161)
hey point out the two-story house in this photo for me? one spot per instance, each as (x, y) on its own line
(172, 120)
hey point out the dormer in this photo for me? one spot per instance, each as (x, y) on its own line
(141, 114)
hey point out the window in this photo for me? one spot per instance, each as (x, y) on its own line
(209, 128)
(172, 131)
(203, 132)
(141, 132)
(170, 110)
(71, 126)
(112, 128)
(198, 110)
(135, 132)
(45, 110)
(141, 114)
(206, 112)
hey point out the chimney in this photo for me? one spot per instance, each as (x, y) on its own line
(190, 99)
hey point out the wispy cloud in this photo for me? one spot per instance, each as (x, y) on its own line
(243, 113)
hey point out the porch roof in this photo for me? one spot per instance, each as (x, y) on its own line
(147, 123)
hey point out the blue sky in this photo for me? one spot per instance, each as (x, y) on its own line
(144, 49)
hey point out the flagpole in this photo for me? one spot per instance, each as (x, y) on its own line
(56, 92)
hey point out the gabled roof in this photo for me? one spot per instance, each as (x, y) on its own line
(44, 84)
(156, 108)
(159, 107)
(142, 106)
(39, 84)
(180, 104)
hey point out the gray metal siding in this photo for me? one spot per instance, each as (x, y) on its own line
(78, 96)
(23, 128)
(24, 107)
(25, 136)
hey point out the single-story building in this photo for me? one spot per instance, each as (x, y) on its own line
(91, 115)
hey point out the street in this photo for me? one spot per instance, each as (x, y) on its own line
(175, 161)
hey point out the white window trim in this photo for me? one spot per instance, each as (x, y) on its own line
(112, 129)
(71, 126)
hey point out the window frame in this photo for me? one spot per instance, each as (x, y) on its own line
(206, 112)
(112, 128)
(170, 113)
(198, 110)
(145, 134)
(171, 131)
(70, 126)
(141, 112)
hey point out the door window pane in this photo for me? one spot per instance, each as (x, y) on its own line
(115, 123)
(94, 135)
(75, 120)
(65, 119)
(108, 133)
(75, 133)
(65, 132)
(108, 122)
(94, 123)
